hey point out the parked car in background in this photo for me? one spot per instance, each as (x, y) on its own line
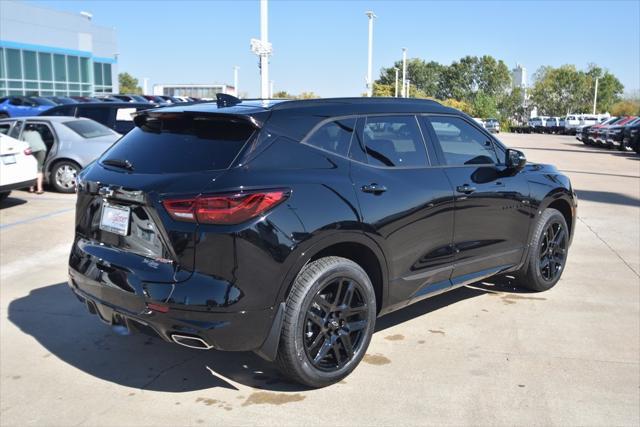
(85, 98)
(631, 137)
(18, 167)
(61, 100)
(156, 99)
(115, 115)
(479, 121)
(593, 131)
(130, 98)
(492, 125)
(178, 237)
(571, 124)
(611, 135)
(551, 124)
(20, 106)
(72, 143)
(538, 123)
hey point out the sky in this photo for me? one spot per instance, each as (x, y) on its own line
(321, 46)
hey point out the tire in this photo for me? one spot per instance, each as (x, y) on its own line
(533, 275)
(312, 324)
(4, 195)
(63, 175)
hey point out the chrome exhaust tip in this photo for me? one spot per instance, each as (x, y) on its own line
(191, 342)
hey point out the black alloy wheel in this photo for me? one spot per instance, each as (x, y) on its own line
(334, 324)
(553, 251)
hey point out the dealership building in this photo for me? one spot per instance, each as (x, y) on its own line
(195, 90)
(50, 52)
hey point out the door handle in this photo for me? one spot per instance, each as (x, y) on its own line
(466, 189)
(374, 188)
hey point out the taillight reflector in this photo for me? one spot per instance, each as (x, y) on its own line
(224, 209)
(28, 152)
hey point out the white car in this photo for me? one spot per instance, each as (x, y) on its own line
(18, 167)
(479, 121)
(572, 122)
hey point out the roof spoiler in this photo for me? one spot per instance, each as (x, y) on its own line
(224, 100)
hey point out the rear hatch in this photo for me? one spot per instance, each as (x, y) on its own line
(122, 228)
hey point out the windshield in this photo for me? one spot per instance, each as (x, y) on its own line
(88, 128)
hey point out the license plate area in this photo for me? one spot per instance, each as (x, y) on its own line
(115, 219)
(9, 159)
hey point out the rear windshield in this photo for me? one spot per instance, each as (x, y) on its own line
(175, 143)
(88, 128)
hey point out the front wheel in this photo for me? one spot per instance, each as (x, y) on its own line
(63, 176)
(328, 322)
(547, 253)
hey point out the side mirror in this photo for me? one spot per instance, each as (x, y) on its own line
(515, 160)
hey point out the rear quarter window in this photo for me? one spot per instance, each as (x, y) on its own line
(88, 128)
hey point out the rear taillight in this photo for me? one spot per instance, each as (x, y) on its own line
(28, 152)
(224, 209)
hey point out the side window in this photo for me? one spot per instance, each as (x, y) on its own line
(4, 128)
(16, 101)
(394, 141)
(461, 143)
(99, 114)
(15, 132)
(334, 136)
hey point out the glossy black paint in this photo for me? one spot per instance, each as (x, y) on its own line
(422, 235)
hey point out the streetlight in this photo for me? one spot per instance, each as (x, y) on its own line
(235, 80)
(371, 15)
(263, 49)
(404, 72)
(396, 68)
(408, 88)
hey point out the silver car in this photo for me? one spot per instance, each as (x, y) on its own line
(72, 143)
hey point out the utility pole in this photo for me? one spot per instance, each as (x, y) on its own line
(396, 68)
(595, 96)
(404, 72)
(271, 89)
(235, 80)
(263, 49)
(408, 88)
(371, 15)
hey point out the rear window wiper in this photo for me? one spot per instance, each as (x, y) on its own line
(119, 163)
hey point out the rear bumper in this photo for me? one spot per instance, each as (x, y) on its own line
(230, 331)
(17, 185)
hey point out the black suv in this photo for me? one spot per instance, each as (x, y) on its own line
(114, 115)
(287, 227)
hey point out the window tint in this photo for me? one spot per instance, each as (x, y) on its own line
(15, 131)
(334, 136)
(99, 114)
(179, 143)
(461, 143)
(88, 128)
(394, 141)
(4, 128)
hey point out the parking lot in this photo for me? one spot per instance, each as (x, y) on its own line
(483, 354)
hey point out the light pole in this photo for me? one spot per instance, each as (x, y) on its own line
(404, 72)
(396, 68)
(408, 88)
(263, 48)
(595, 96)
(371, 15)
(271, 89)
(235, 80)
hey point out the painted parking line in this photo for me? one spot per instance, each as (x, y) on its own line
(37, 218)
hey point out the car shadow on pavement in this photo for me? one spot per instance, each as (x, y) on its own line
(10, 202)
(54, 317)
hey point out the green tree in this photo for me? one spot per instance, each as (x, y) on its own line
(491, 76)
(627, 107)
(128, 84)
(559, 91)
(423, 76)
(457, 80)
(484, 105)
(609, 89)
(381, 89)
(283, 94)
(307, 95)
